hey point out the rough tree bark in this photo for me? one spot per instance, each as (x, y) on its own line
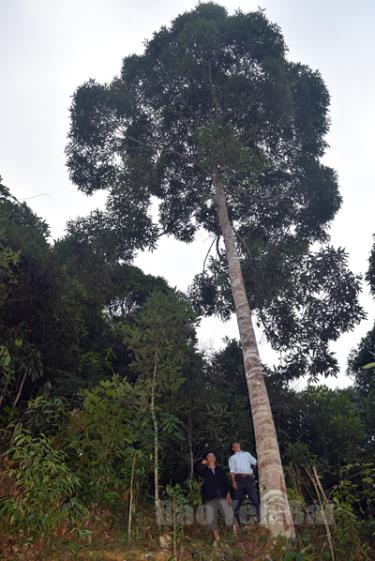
(275, 510)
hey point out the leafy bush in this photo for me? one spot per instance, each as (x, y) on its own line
(102, 438)
(43, 491)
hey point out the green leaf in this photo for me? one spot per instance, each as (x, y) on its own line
(368, 365)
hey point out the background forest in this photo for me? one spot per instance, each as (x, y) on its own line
(82, 328)
(76, 428)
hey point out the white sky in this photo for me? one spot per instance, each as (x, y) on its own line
(49, 47)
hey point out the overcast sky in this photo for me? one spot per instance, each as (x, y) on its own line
(49, 47)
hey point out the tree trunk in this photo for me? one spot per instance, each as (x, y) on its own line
(174, 526)
(275, 511)
(190, 443)
(156, 441)
(2, 396)
(130, 516)
(20, 387)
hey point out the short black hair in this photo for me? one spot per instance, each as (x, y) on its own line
(210, 452)
(231, 445)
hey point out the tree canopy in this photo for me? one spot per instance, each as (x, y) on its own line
(217, 91)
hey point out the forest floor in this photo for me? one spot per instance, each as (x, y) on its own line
(253, 544)
(194, 548)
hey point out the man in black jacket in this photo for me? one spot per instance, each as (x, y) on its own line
(216, 495)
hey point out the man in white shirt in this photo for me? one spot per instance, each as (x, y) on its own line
(243, 482)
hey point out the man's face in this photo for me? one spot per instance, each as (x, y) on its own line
(211, 458)
(236, 447)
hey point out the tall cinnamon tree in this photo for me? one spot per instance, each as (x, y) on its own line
(216, 124)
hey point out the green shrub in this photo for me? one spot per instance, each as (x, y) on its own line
(43, 491)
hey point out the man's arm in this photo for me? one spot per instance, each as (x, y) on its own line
(232, 473)
(253, 461)
(226, 485)
(200, 468)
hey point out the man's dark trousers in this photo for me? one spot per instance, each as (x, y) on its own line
(245, 486)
